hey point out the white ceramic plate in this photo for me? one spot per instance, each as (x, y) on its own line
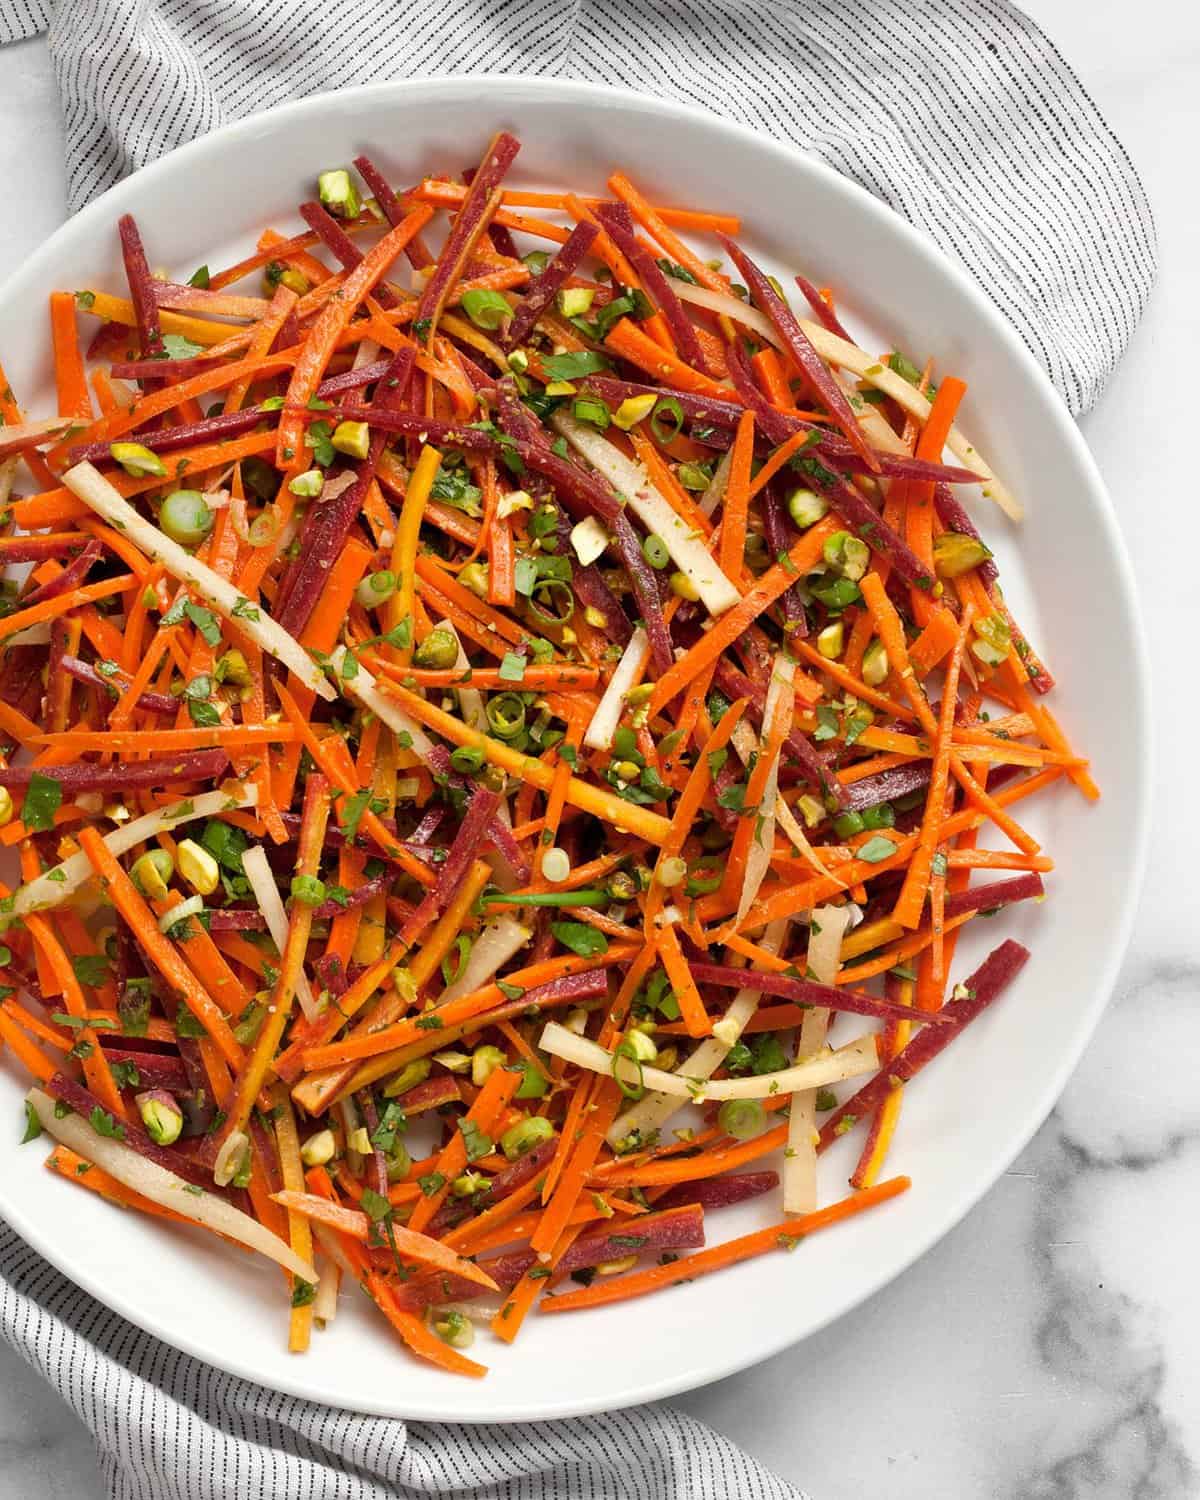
(1065, 573)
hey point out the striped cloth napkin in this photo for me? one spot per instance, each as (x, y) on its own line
(958, 113)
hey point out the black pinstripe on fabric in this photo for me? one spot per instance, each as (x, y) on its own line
(961, 114)
(169, 1427)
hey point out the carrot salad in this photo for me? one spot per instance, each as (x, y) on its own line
(500, 703)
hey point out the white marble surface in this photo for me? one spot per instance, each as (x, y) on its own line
(1049, 1348)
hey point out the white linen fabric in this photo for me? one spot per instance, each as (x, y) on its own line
(960, 114)
(169, 1427)
(963, 117)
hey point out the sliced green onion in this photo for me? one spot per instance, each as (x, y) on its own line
(847, 824)
(654, 550)
(881, 816)
(588, 897)
(506, 716)
(467, 759)
(376, 588)
(265, 527)
(667, 407)
(522, 1137)
(594, 412)
(552, 602)
(742, 1118)
(556, 865)
(486, 309)
(185, 517)
(180, 912)
(623, 1052)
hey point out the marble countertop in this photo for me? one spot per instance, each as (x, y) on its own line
(1049, 1348)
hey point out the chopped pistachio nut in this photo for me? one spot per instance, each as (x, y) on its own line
(198, 868)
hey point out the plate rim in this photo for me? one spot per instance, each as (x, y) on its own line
(502, 89)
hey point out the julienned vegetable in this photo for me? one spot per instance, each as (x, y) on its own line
(491, 759)
(98, 1142)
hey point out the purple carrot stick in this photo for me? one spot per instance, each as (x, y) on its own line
(201, 299)
(806, 992)
(821, 309)
(88, 1107)
(82, 776)
(800, 347)
(237, 919)
(392, 209)
(777, 426)
(542, 289)
(992, 977)
(71, 576)
(781, 535)
(431, 1093)
(648, 1234)
(503, 1185)
(327, 526)
(618, 222)
(466, 226)
(141, 286)
(116, 682)
(499, 234)
(338, 242)
(148, 369)
(720, 1192)
(210, 430)
(998, 893)
(471, 832)
(20, 549)
(355, 378)
(886, 786)
(500, 837)
(156, 1070)
(680, 1228)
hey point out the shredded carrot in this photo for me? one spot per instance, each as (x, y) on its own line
(737, 499)
(73, 397)
(626, 339)
(500, 878)
(784, 1236)
(733, 623)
